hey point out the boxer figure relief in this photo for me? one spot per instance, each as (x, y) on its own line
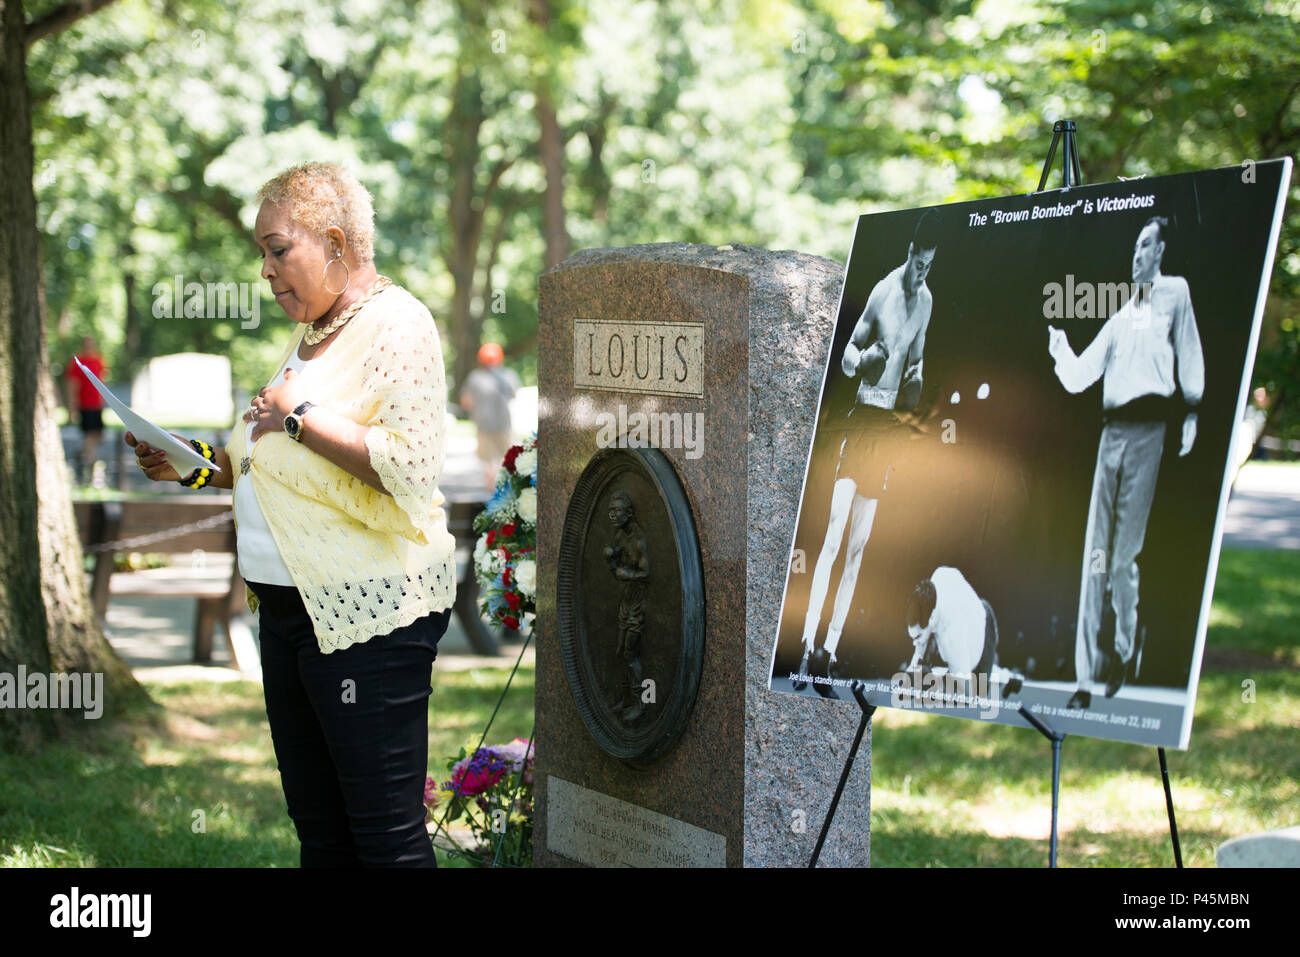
(629, 563)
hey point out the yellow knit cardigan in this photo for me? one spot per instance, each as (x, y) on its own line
(365, 563)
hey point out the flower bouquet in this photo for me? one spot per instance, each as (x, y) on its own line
(505, 561)
(492, 791)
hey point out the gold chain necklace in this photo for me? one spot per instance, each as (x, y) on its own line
(314, 335)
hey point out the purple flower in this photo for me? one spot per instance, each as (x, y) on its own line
(473, 775)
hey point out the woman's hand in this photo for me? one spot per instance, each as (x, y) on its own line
(273, 403)
(154, 461)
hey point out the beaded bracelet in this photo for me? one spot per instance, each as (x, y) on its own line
(200, 476)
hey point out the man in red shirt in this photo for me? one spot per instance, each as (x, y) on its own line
(86, 401)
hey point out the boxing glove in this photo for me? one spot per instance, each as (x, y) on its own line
(872, 362)
(909, 395)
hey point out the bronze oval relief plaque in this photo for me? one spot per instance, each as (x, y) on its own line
(631, 603)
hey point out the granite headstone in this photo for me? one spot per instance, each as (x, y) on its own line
(678, 393)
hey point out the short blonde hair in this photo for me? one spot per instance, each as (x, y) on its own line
(320, 195)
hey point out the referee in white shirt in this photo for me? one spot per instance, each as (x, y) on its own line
(1146, 354)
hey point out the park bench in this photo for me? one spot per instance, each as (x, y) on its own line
(171, 525)
(220, 600)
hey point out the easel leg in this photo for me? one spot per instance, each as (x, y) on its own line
(1169, 806)
(1063, 132)
(1056, 794)
(1056, 738)
(867, 711)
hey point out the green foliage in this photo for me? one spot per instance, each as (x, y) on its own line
(772, 122)
(938, 101)
(1277, 370)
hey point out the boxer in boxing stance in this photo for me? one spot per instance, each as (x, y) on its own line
(884, 352)
(1146, 354)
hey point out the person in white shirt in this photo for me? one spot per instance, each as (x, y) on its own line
(1147, 353)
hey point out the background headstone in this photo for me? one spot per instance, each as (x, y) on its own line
(185, 389)
(1280, 848)
(751, 777)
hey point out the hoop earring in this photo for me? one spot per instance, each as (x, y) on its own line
(325, 271)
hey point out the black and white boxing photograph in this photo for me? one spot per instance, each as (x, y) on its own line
(881, 363)
(1021, 459)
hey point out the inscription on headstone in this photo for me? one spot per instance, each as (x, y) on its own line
(603, 831)
(652, 358)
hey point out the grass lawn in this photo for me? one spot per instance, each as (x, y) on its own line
(129, 795)
(946, 792)
(953, 793)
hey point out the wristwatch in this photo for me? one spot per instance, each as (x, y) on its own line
(293, 421)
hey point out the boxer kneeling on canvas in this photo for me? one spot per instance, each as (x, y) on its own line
(945, 616)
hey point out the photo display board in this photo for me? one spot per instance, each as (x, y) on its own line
(1015, 492)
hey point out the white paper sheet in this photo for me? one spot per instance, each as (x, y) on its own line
(180, 455)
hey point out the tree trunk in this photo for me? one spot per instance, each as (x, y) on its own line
(550, 146)
(22, 618)
(465, 218)
(132, 333)
(46, 622)
(598, 182)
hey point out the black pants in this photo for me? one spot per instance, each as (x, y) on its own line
(351, 734)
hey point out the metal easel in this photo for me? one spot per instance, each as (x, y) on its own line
(1063, 133)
